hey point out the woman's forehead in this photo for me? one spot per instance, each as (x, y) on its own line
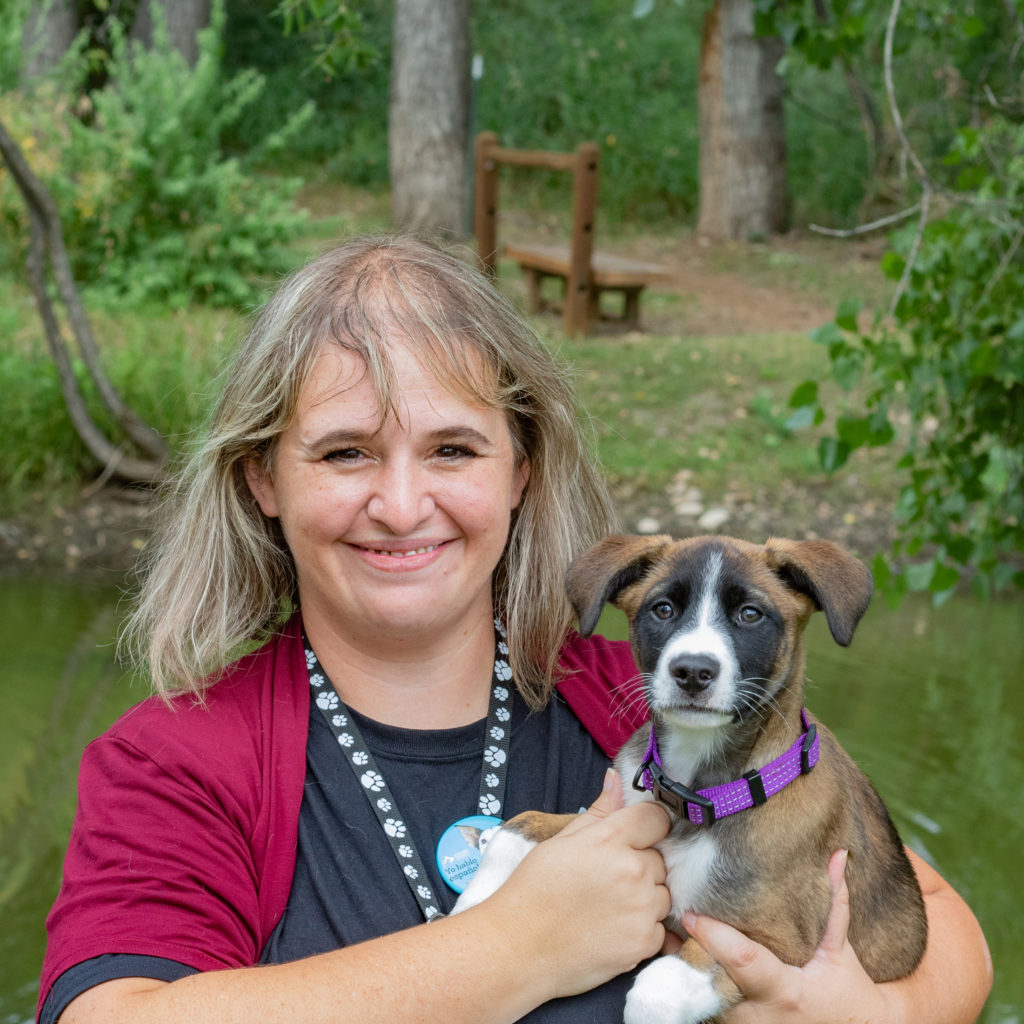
(394, 362)
(373, 389)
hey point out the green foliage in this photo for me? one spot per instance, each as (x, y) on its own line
(944, 377)
(151, 206)
(337, 33)
(348, 135)
(556, 75)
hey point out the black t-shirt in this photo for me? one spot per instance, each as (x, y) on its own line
(348, 886)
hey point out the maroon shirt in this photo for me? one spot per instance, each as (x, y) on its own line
(184, 841)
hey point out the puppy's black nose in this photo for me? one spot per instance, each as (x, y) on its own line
(694, 673)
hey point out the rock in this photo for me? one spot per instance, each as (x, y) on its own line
(714, 519)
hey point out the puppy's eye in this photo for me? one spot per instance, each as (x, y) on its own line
(663, 610)
(749, 614)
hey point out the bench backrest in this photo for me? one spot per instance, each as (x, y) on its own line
(583, 165)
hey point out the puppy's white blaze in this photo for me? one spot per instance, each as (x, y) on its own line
(670, 991)
(501, 857)
(707, 636)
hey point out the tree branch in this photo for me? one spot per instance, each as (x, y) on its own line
(863, 229)
(46, 237)
(41, 203)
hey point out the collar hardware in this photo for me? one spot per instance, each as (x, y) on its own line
(706, 806)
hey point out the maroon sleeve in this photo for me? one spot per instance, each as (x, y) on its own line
(602, 686)
(183, 844)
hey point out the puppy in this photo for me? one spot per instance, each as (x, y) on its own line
(760, 793)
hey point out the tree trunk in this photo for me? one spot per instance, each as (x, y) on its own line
(49, 30)
(429, 117)
(742, 127)
(184, 20)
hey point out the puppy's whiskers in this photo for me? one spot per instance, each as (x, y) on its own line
(754, 699)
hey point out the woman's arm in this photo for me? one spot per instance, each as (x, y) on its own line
(494, 962)
(833, 986)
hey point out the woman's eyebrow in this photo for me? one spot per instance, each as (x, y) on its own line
(458, 432)
(339, 438)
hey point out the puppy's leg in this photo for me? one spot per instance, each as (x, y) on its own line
(505, 849)
(684, 989)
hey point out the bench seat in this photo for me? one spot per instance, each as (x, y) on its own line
(608, 273)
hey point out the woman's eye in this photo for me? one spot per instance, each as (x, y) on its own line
(451, 452)
(343, 455)
(748, 615)
(663, 610)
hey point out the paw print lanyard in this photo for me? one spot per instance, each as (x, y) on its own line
(459, 849)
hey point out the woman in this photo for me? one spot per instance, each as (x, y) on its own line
(392, 487)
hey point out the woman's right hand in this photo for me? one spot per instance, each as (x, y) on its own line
(589, 902)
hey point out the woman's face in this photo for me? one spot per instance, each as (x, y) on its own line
(395, 529)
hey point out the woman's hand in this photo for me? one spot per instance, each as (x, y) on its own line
(833, 987)
(591, 900)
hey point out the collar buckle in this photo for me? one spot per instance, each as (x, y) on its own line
(679, 798)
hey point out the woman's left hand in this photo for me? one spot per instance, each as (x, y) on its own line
(832, 988)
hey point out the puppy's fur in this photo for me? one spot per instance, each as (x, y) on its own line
(716, 630)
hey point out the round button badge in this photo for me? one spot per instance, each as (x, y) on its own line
(461, 846)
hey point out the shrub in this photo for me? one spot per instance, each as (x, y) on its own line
(151, 206)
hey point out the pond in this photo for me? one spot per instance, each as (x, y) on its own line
(928, 700)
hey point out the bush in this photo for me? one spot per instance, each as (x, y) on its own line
(151, 206)
(945, 376)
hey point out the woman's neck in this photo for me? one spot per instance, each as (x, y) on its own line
(432, 682)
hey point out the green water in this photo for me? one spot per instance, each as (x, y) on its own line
(928, 701)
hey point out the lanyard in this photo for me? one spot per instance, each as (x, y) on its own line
(492, 774)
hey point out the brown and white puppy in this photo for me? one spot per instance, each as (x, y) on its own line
(716, 628)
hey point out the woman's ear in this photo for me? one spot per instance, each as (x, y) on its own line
(261, 484)
(519, 482)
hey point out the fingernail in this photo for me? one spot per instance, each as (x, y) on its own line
(689, 920)
(609, 779)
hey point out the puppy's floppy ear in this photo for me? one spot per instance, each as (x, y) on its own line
(839, 584)
(602, 572)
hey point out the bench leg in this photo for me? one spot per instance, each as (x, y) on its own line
(533, 282)
(631, 307)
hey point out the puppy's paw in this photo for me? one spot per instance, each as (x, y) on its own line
(670, 991)
(501, 856)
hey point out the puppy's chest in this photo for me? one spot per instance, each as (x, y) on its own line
(691, 865)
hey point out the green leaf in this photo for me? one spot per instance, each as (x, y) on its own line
(881, 571)
(853, 430)
(892, 265)
(805, 416)
(846, 368)
(832, 454)
(805, 393)
(849, 310)
(995, 477)
(944, 578)
(919, 576)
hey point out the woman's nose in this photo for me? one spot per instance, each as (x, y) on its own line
(402, 497)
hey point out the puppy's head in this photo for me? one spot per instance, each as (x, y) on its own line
(715, 622)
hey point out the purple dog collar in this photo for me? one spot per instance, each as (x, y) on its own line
(706, 806)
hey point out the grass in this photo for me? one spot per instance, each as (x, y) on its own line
(660, 403)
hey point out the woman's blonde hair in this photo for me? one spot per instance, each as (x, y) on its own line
(220, 576)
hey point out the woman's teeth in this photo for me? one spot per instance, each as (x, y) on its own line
(405, 554)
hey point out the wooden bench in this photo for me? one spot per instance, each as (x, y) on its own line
(585, 274)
